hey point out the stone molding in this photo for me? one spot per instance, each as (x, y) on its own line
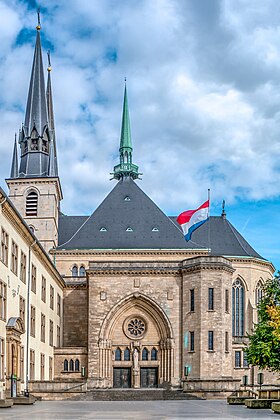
(207, 263)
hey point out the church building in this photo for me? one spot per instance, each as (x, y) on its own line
(133, 304)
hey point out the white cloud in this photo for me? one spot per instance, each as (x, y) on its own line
(203, 90)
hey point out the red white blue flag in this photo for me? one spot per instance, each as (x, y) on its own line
(192, 219)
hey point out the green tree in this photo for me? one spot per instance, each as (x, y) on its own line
(263, 349)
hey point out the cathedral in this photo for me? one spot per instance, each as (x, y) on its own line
(117, 298)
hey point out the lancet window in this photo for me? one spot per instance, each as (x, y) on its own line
(238, 307)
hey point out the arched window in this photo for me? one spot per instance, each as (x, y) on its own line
(145, 354)
(82, 271)
(126, 354)
(154, 354)
(31, 205)
(238, 303)
(118, 354)
(74, 271)
(77, 365)
(71, 365)
(259, 292)
(65, 365)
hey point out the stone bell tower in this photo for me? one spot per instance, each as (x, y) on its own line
(34, 186)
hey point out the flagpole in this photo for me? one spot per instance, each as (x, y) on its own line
(209, 249)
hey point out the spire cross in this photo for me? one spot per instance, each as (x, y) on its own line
(223, 209)
(38, 27)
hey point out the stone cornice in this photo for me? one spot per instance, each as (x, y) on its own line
(129, 268)
(207, 263)
(252, 260)
(126, 252)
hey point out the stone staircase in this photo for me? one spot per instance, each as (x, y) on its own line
(144, 394)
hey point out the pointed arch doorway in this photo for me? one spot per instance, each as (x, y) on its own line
(136, 345)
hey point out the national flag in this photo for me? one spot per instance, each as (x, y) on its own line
(192, 219)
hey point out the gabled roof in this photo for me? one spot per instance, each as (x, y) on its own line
(126, 219)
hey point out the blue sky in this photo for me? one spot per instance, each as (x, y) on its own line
(204, 99)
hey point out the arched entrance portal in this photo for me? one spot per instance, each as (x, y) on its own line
(14, 330)
(136, 345)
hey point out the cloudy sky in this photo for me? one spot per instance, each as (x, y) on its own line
(203, 80)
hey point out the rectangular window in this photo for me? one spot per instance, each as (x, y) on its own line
(226, 300)
(237, 358)
(191, 340)
(51, 333)
(22, 309)
(3, 300)
(245, 361)
(33, 278)
(43, 290)
(210, 299)
(4, 246)
(22, 363)
(192, 300)
(226, 342)
(51, 296)
(50, 368)
(210, 340)
(58, 336)
(2, 360)
(58, 305)
(32, 364)
(42, 360)
(14, 262)
(22, 274)
(32, 320)
(43, 328)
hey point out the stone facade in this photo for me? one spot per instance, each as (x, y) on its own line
(31, 290)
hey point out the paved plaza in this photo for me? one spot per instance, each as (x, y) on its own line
(135, 410)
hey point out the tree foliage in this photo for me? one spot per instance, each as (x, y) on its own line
(263, 349)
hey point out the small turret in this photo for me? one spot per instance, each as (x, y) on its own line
(14, 167)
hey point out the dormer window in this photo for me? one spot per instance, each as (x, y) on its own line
(103, 229)
(127, 198)
(129, 229)
(155, 229)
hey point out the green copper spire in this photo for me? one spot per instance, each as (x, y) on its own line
(126, 167)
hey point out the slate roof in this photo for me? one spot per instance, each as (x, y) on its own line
(131, 219)
(224, 239)
(127, 206)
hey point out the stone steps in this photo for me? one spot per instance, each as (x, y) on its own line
(114, 394)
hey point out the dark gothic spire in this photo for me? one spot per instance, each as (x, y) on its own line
(38, 129)
(14, 168)
(126, 167)
(53, 167)
(36, 108)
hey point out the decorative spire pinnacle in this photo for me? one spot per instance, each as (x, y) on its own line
(36, 108)
(49, 61)
(38, 27)
(53, 167)
(126, 167)
(14, 168)
(223, 210)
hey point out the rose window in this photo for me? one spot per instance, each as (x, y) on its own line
(136, 327)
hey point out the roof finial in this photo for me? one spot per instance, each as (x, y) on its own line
(49, 61)
(38, 27)
(125, 80)
(223, 210)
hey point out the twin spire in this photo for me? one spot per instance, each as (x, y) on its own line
(38, 156)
